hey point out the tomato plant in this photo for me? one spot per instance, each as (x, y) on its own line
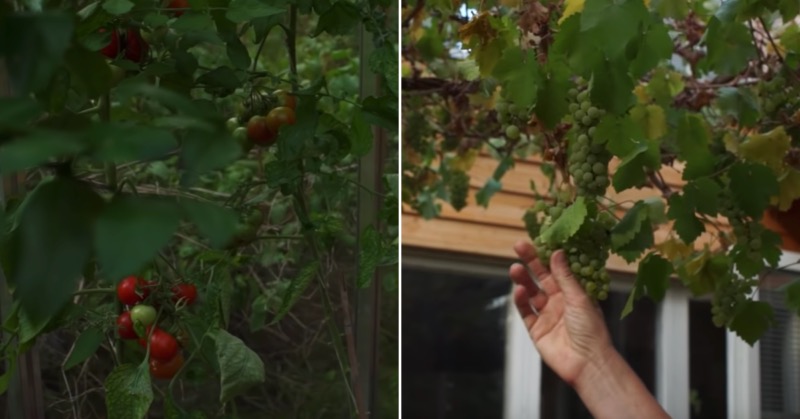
(178, 4)
(125, 327)
(132, 290)
(136, 48)
(112, 49)
(286, 99)
(184, 292)
(279, 117)
(259, 132)
(165, 370)
(163, 346)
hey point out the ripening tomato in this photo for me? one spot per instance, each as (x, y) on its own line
(163, 346)
(186, 292)
(259, 133)
(117, 74)
(133, 290)
(286, 99)
(279, 117)
(144, 314)
(136, 48)
(112, 49)
(125, 326)
(232, 123)
(165, 370)
(178, 4)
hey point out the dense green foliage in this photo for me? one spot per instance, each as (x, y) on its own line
(704, 89)
(125, 129)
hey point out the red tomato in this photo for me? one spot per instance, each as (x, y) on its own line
(184, 291)
(258, 131)
(165, 370)
(133, 290)
(163, 346)
(125, 326)
(136, 48)
(178, 4)
(279, 117)
(286, 99)
(112, 49)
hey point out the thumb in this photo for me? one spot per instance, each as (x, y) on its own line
(563, 275)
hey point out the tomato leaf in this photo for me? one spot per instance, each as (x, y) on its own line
(38, 148)
(240, 11)
(340, 19)
(296, 288)
(369, 255)
(131, 230)
(85, 346)
(215, 222)
(129, 392)
(240, 368)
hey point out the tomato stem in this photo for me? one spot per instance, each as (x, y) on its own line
(95, 291)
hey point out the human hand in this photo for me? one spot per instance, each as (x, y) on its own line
(567, 327)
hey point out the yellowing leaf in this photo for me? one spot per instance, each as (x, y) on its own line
(572, 7)
(731, 142)
(652, 118)
(464, 161)
(768, 148)
(642, 95)
(788, 189)
(674, 248)
(479, 27)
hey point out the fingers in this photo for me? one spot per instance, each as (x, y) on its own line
(523, 306)
(520, 276)
(527, 254)
(566, 281)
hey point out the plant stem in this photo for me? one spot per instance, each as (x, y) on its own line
(291, 45)
(95, 291)
(105, 116)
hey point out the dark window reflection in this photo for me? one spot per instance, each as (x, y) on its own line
(453, 345)
(780, 358)
(707, 364)
(634, 338)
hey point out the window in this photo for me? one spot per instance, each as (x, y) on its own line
(453, 344)
(707, 366)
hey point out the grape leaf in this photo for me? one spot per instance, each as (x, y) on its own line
(612, 25)
(674, 249)
(620, 134)
(615, 93)
(630, 224)
(656, 209)
(567, 224)
(652, 118)
(739, 103)
(789, 185)
(581, 54)
(697, 273)
(693, 147)
(664, 85)
(768, 148)
(652, 48)
(652, 280)
(129, 392)
(491, 187)
(793, 296)
(643, 240)
(521, 76)
(676, 9)
(551, 99)
(571, 7)
(631, 172)
(687, 225)
(752, 320)
(752, 200)
(730, 47)
(704, 192)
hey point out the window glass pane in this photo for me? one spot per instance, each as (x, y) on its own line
(453, 345)
(780, 354)
(634, 338)
(707, 364)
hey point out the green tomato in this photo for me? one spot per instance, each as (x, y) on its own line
(232, 124)
(143, 314)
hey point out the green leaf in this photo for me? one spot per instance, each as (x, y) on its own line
(90, 70)
(551, 99)
(38, 148)
(117, 7)
(296, 288)
(614, 89)
(223, 77)
(491, 187)
(704, 192)
(203, 151)
(632, 170)
(369, 255)
(520, 74)
(116, 142)
(193, 22)
(48, 232)
(676, 9)
(240, 368)
(652, 280)
(752, 320)
(237, 52)
(129, 392)
(381, 111)
(361, 135)
(85, 346)
(131, 231)
(654, 47)
(620, 135)
(739, 103)
(730, 47)
(293, 138)
(752, 200)
(18, 112)
(383, 61)
(693, 146)
(627, 228)
(215, 222)
(47, 33)
(610, 26)
(687, 225)
(240, 11)
(643, 240)
(567, 224)
(793, 296)
(340, 19)
(577, 48)
(258, 312)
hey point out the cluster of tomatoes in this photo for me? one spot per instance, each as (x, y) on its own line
(262, 130)
(139, 322)
(130, 43)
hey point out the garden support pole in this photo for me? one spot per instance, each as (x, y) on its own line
(370, 175)
(25, 391)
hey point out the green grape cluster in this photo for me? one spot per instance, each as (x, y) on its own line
(747, 232)
(587, 250)
(774, 96)
(587, 159)
(730, 292)
(512, 117)
(458, 186)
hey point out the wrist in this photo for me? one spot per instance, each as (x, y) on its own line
(601, 363)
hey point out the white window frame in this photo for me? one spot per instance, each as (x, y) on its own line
(522, 395)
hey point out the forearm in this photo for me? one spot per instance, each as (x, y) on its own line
(611, 389)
